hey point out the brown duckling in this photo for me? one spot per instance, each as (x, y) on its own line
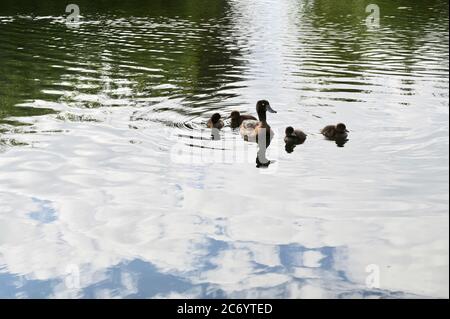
(335, 132)
(215, 122)
(295, 137)
(237, 118)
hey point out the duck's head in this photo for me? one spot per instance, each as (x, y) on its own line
(235, 115)
(215, 118)
(341, 128)
(289, 131)
(262, 107)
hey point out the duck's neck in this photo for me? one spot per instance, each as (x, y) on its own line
(262, 117)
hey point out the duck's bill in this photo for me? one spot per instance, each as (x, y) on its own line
(270, 109)
(347, 131)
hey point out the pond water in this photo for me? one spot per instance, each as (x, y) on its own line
(111, 188)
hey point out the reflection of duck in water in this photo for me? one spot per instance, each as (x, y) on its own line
(294, 138)
(254, 130)
(262, 161)
(237, 118)
(337, 133)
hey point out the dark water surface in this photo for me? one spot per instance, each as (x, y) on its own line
(101, 197)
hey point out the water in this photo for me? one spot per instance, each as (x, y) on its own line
(101, 197)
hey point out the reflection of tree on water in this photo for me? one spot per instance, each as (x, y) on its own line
(186, 55)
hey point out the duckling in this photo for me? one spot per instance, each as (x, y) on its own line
(335, 132)
(237, 119)
(215, 122)
(295, 137)
(252, 129)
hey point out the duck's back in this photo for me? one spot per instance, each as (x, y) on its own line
(329, 131)
(298, 137)
(248, 118)
(235, 123)
(252, 131)
(301, 136)
(249, 129)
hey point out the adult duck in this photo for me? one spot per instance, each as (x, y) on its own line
(252, 130)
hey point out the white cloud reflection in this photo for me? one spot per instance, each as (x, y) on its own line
(209, 225)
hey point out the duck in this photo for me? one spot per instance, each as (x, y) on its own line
(251, 129)
(335, 132)
(237, 118)
(215, 122)
(295, 137)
